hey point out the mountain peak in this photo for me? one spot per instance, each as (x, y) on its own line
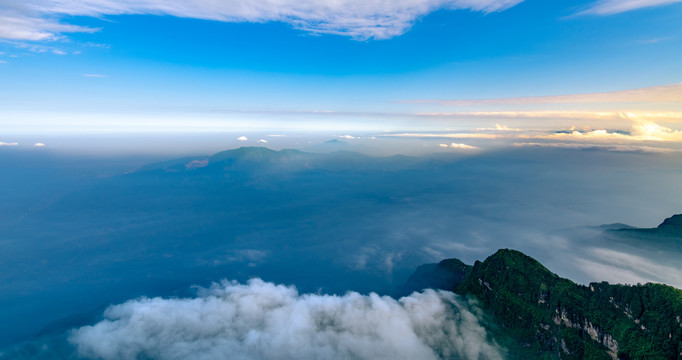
(246, 152)
(514, 258)
(672, 222)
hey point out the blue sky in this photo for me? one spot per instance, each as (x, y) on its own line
(79, 67)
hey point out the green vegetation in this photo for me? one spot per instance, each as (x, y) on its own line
(552, 317)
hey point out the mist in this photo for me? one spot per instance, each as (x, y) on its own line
(154, 226)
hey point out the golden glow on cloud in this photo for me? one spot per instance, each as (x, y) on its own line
(641, 131)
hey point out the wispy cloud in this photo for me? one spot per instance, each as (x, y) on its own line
(28, 25)
(450, 135)
(362, 19)
(654, 94)
(95, 75)
(9, 143)
(608, 7)
(655, 40)
(670, 116)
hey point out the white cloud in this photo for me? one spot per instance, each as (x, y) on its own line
(458, 146)
(242, 138)
(263, 320)
(58, 52)
(39, 144)
(362, 19)
(608, 7)
(95, 75)
(3, 62)
(9, 143)
(347, 136)
(263, 141)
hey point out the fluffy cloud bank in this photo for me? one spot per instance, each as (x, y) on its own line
(379, 19)
(263, 320)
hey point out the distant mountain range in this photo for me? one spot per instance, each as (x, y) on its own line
(545, 316)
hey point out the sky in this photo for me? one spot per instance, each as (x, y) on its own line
(401, 68)
(560, 114)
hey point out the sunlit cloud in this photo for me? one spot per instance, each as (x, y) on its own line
(641, 131)
(654, 94)
(39, 144)
(242, 138)
(9, 143)
(361, 19)
(263, 141)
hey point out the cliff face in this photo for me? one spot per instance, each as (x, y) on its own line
(552, 317)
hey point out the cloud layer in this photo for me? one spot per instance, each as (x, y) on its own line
(263, 320)
(363, 19)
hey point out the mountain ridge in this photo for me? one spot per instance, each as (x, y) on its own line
(553, 317)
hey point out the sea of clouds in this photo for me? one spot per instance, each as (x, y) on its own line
(261, 320)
